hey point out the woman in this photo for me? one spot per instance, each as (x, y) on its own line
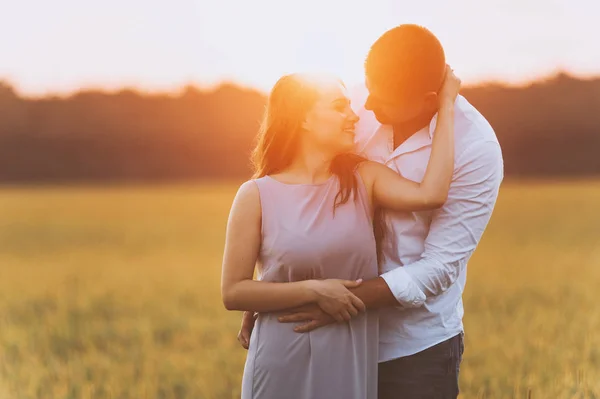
(306, 221)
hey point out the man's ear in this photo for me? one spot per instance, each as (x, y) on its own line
(431, 100)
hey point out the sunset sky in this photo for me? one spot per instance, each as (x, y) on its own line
(63, 45)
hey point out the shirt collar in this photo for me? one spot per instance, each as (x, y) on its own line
(458, 105)
(420, 139)
(432, 125)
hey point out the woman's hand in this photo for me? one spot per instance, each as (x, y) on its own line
(334, 298)
(450, 88)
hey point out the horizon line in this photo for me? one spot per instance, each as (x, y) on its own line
(178, 89)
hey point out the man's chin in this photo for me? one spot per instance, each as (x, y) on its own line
(382, 118)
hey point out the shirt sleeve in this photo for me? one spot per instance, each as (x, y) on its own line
(456, 228)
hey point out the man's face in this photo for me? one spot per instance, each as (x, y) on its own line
(393, 109)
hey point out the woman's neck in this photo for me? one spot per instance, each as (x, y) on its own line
(309, 167)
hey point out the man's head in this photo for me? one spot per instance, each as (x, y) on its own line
(404, 70)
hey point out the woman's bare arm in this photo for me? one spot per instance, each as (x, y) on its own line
(240, 292)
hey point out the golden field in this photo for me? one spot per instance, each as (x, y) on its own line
(113, 292)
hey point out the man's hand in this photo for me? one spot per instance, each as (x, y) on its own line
(335, 298)
(312, 317)
(248, 319)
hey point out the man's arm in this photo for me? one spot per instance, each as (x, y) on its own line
(454, 233)
(375, 294)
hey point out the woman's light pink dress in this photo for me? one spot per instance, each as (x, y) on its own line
(302, 239)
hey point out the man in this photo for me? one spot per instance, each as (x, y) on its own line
(420, 291)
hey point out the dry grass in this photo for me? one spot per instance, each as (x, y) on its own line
(114, 293)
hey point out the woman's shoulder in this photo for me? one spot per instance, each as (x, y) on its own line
(248, 195)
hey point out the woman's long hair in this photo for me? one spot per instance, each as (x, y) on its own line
(278, 141)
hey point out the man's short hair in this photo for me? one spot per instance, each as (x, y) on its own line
(407, 60)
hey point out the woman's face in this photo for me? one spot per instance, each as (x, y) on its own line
(329, 125)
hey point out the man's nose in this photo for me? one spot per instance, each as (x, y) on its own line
(369, 103)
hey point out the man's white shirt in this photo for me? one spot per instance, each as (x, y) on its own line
(426, 253)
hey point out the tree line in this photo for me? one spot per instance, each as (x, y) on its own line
(550, 128)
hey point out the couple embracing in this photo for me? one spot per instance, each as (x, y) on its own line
(360, 220)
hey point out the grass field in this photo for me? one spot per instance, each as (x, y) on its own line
(114, 293)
